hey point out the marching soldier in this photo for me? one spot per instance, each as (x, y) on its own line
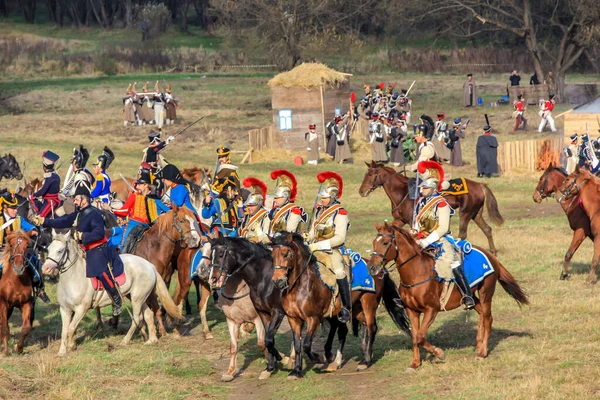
(546, 114)
(397, 134)
(45, 201)
(256, 222)
(223, 207)
(147, 104)
(363, 111)
(432, 229)
(138, 105)
(128, 108)
(102, 262)
(170, 106)
(519, 113)
(312, 145)
(377, 139)
(285, 214)
(587, 156)
(101, 191)
(487, 153)
(440, 134)
(381, 107)
(140, 209)
(328, 234)
(159, 106)
(77, 171)
(571, 153)
(405, 104)
(453, 143)
(342, 148)
(10, 221)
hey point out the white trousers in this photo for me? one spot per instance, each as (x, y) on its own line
(158, 114)
(550, 121)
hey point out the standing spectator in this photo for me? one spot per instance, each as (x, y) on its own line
(534, 79)
(145, 29)
(312, 145)
(457, 133)
(549, 80)
(514, 78)
(469, 93)
(487, 153)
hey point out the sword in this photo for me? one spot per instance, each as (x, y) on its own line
(189, 126)
(314, 210)
(7, 223)
(408, 91)
(127, 183)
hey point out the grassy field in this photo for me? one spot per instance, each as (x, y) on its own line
(547, 350)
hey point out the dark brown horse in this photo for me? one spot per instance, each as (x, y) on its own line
(15, 288)
(170, 232)
(470, 205)
(583, 183)
(9, 168)
(548, 186)
(420, 289)
(306, 299)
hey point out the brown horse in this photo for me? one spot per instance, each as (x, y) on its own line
(122, 188)
(15, 288)
(583, 183)
(161, 245)
(306, 299)
(420, 288)
(548, 186)
(470, 205)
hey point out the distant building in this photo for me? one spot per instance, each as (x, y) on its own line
(576, 119)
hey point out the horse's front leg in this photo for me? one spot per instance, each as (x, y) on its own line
(370, 330)
(25, 326)
(415, 323)
(272, 325)
(311, 329)
(65, 316)
(4, 329)
(333, 326)
(77, 317)
(592, 278)
(578, 238)
(296, 325)
(428, 318)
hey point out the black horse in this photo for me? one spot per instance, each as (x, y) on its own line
(9, 168)
(254, 264)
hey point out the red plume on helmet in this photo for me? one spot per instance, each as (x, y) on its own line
(352, 97)
(250, 181)
(381, 85)
(425, 165)
(323, 176)
(279, 172)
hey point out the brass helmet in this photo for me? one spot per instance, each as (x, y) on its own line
(128, 90)
(287, 186)
(145, 88)
(258, 191)
(431, 174)
(156, 88)
(133, 87)
(331, 185)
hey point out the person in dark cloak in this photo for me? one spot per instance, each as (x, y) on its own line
(487, 153)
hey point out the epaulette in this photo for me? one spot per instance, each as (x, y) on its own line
(297, 210)
(343, 211)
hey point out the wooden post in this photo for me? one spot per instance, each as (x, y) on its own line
(248, 155)
(323, 118)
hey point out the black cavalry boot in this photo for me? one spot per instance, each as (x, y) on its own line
(344, 288)
(463, 287)
(39, 286)
(113, 292)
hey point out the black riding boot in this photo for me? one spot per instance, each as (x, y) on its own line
(113, 292)
(37, 279)
(463, 287)
(346, 312)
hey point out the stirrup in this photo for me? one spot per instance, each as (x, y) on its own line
(344, 318)
(464, 302)
(43, 296)
(117, 310)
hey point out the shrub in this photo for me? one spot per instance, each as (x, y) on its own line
(157, 16)
(106, 65)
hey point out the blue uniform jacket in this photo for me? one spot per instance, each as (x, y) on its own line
(181, 196)
(51, 185)
(102, 187)
(91, 223)
(215, 211)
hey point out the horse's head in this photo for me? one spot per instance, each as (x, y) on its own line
(372, 179)
(205, 262)
(222, 262)
(552, 178)
(58, 253)
(181, 225)
(286, 254)
(13, 167)
(16, 251)
(385, 249)
(573, 183)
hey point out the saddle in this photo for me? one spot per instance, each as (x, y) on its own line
(135, 236)
(120, 280)
(457, 187)
(327, 275)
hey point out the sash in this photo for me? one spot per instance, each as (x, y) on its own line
(14, 226)
(326, 214)
(428, 206)
(281, 212)
(252, 220)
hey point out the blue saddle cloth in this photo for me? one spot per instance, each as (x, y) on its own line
(477, 265)
(194, 263)
(361, 278)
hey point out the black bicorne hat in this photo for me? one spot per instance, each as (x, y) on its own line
(82, 189)
(170, 172)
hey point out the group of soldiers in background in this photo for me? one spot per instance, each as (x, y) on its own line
(149, 108)
(583, 152)
(545, 113)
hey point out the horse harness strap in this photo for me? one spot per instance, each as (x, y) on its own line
(434, 276)
(236, 297)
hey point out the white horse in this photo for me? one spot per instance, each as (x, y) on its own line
(76, 295)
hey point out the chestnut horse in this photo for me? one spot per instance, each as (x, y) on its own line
(15, 288)
(470, 205)
(420, 288)
(548, 186)
(306, 299)
(583, 183)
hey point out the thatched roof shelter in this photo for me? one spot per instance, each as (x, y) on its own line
(310, 75)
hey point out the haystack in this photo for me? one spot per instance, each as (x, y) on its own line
(310, 75)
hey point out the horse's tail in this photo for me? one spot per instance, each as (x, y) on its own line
(492, 206)
(396, 311)
(510, 285)
(163, 295)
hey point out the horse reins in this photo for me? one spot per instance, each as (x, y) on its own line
(288, 269)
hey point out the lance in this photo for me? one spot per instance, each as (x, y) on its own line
(314, 210)
(408, 91)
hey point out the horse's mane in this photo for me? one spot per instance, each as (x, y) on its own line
(9, 237)
(411, 241)
(165, 221)
(559, 169)
(247, 247)
(591, 177)
(389, 170)
(281, 239)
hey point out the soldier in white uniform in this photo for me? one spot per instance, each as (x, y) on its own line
(425, 151)
(432, 228)
(255, 224)
(285, 215)
(571, 153)
(328, 233)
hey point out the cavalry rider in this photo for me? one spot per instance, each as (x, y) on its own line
(77, 171)
(224, 168)
(102, 262)
(50, 188)
(587, 156)
(328, 234)
(140, 208)
(177, 190)
(432, 227)
(256, 222)
(10, 221)
(546, 114)
(152, 154)
(101, 191)
(285, 215)
(223, 207)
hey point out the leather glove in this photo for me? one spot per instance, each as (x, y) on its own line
(37, 220)
(77, 235)
(170, 139)
(314, 247)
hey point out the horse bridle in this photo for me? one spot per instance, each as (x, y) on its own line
(572, 188)
(375, 186)
(60, 263)
(288, 269)
(223, 270)
(175, 224)
(13, 256)
(543, 188)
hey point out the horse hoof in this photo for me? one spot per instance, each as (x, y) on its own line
(264, 375)
(62, 353)
(208, 336)
(331, 367)
(151, 341)
(124, 342)
(361, 367)
(564, 276)
(410, 370)
(293, 377)
(227, 378)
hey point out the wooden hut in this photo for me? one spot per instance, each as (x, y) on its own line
(587, 112)
(311, 93)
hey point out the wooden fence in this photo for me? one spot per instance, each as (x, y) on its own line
(529, 155)
(262, 138)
